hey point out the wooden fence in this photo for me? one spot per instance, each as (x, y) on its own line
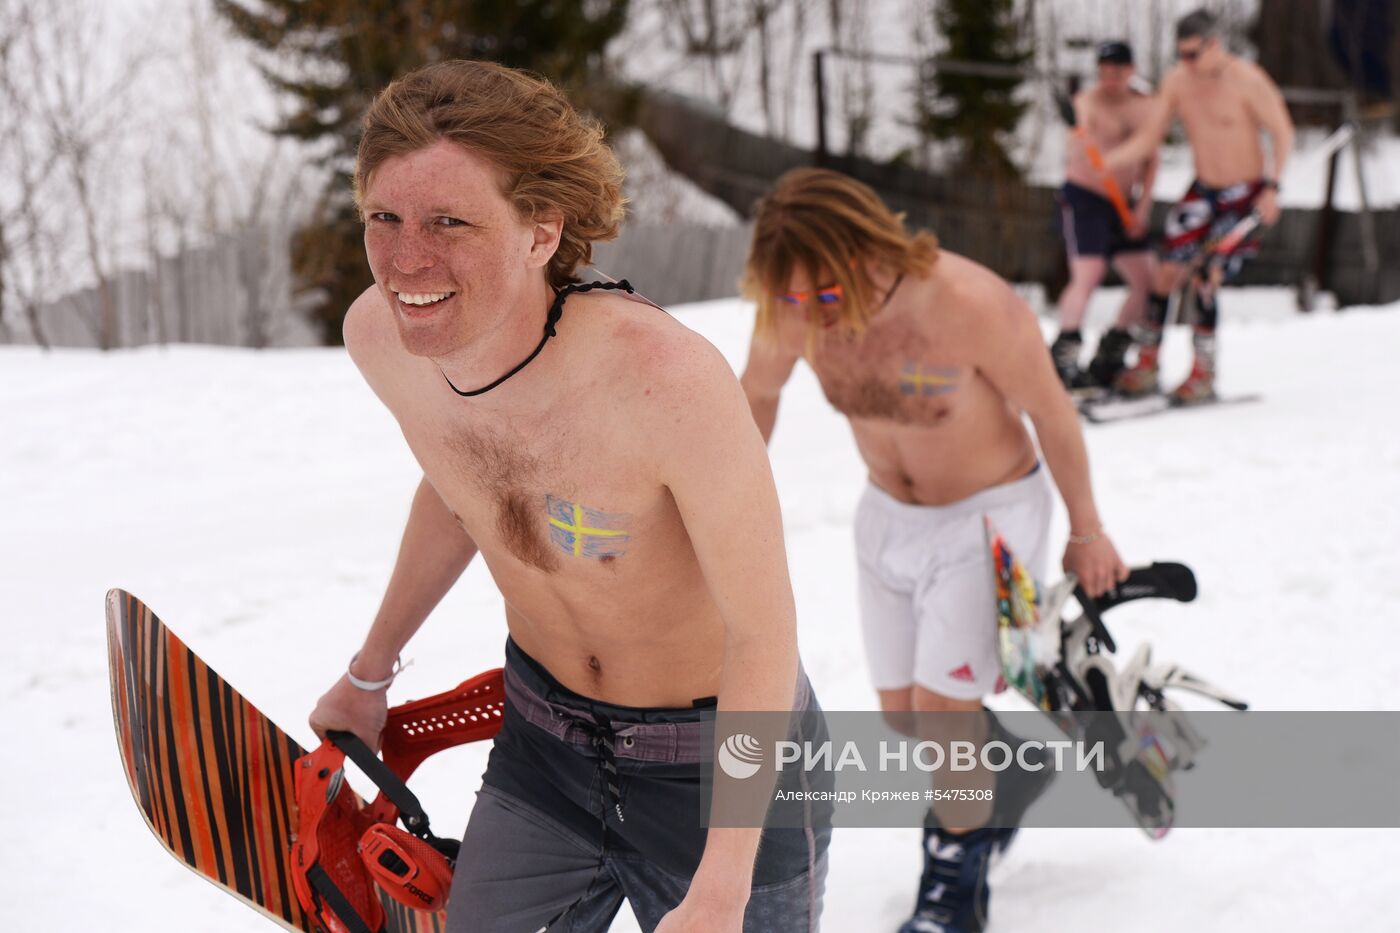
(675, 263)
(1014, 229)
(235, 291)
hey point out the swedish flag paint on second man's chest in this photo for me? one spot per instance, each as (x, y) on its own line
(917, 379)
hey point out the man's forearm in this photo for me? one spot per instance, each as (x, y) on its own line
(759, 676)
(1282, 149)
(1148, 182)
(765, 410)
(726, 867)
(1131, 151)
(434, 552)
(1062, 441)
(765, 415)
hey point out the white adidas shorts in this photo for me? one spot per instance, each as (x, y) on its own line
(927, 594)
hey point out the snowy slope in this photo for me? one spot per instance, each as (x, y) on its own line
(255, 501)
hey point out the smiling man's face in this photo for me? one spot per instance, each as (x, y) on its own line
(449, 253)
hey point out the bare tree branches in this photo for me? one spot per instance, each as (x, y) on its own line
(23, 260)
(122, 153)
(68, 115)
(729, 40)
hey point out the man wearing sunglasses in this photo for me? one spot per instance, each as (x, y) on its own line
(933, 359)
(1224, 102)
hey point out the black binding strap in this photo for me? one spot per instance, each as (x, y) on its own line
(410, 810)
(556, 311)
(1091, 612)
(344, 911)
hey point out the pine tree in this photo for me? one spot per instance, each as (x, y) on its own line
(333, 56)
(977, 111)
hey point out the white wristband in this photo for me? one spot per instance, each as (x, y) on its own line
(373, 685)
(1090, 538)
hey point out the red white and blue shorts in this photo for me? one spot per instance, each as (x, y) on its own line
(1206, 214)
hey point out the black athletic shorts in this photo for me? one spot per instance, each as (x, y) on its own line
(1091, 226)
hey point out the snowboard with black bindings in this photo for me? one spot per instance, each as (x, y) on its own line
(1063, 667)
(242, 804)
(1108, 407)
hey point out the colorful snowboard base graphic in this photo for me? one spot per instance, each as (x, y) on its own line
(214, 778)
(1031, 639)
(1020, 636)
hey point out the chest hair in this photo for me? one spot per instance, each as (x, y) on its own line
(508, 475)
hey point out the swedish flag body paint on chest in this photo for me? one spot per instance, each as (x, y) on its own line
(584, 532)
(917, 379)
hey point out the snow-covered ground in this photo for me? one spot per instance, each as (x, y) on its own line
(255, 501)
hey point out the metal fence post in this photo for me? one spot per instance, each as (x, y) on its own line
(819, 77)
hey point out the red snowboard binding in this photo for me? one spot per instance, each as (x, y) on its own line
(344, 848)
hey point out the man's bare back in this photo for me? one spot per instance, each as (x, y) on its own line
(929, 424)
(601, 581)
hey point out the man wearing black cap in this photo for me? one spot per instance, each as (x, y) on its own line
(1104, 217)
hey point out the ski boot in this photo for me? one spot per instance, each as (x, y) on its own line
(1108, 359)
(1141, 378)
(1065, 353)
(953, 891)
(1199, 387)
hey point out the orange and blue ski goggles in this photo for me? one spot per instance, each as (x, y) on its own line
(828, 295)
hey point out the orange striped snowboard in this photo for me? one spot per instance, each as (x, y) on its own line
(211, 775)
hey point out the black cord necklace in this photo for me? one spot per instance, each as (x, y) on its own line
(893, 288)
(556, 311)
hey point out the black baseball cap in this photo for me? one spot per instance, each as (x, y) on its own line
(1115, 51)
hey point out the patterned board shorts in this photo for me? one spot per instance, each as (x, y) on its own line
(1203, 216)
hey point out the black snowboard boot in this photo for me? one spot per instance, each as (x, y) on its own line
(1065, 352)
(1108, 359)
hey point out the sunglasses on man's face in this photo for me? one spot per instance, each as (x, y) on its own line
(1189, 54)
(827, 296)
